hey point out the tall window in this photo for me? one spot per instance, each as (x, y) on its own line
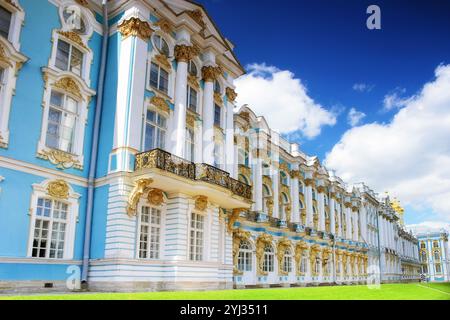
(196, 237)
(217, 88)
(268, 264)
(155, 131)
(437, 256)
(161, 45)
(304, 263)
(5, 22)
(62, 119)
(68, 58)
(217, 115)
(314, 193)
(245, 257)
(150, 230)
(284, 178)
(159, 78)
(301, 187)
(192, 99)
(287, 261)
(438, 268)
(49, 234)
(266, 198)
(189, 148)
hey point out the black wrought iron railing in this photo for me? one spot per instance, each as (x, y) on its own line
(163, 160)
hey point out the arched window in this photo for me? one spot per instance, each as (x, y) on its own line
(268, 265)
(437, 256)
(283, 203)
(245, 257)
(155, 130)
(304, 263)
(150, 232)
(302, 206)
(192, 98)
(284, 178)
(161, 45)
(287, 261)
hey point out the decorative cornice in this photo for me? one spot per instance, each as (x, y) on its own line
(160, 103)
(231, 94)
(197, 16)
(73, 37)
(185, 53)
(58, 189)
(164, 25)
(68, 85)
(155, 197)
(61, 159)
(210, 73)
(135, 27)
(163, 61)
(193, 82)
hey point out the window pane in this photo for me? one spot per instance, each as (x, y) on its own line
(217, 115)
(56, 99)
(62, 55)
(53, 128)
(154, 75)
(164, 81)
(76, 61)
(149, 137)
(5, 22)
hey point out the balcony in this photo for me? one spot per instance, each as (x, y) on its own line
(194, 177)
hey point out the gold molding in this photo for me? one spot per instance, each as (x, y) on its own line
(218, 99)
(68, 85)
(160, 103)
(163, 61)
(282, 245)
(84, 3)
(210, 73)
(190, 120)
(155, 197)
(73, 37)
(238, 236)
(139, 189)
(185, 53)
(233, 217)
(58, 189)
(231, 94)
(4, 58)
(164, 25)
(197, 16)
(193, 82)
(263, 240)
(201, 203)
(135, 27)
(61, 159)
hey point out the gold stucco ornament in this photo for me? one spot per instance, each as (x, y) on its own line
(261, 243)
(238, 236)
(61, 159)
(155, 197)
(58, 189)
(135, 27)
(201, 203)
(141, 186)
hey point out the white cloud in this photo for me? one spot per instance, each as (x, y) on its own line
(394, 100)
(283, 100)
(410, 156)
(429, 226)
(363, 87)
(355, 117)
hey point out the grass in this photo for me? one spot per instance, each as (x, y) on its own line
(413, 291)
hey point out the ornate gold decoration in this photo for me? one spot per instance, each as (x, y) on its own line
(309, 182)
(321, 189)
(288, 210)
(283, 244)
(262, 241)
(295, 174)
(231, 94)
(73, 37)
(160, 103)
(190, 120)
(218, 99)
(68, 85)
(61, 159)
(141, 186)
(4, 58)
(185, 53)
(210, 73)
(316, 221)
(238, 236)
(193, 82)
(234, 216)
(267, 181)
(313, 255)
(303, 216)
(164, 25)
(197, 16)
(299, 250)
(163, 61)
(201, 203)
(58, 189)
(155, 197)
(135, 27)
(269, 204)
(84, 3)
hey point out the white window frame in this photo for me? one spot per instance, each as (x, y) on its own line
(189, 97)
(287, 261)
(144, 203)
(190, 144)
(161, 114)
(204, 237)
(40, 191)
(269, 259)
(53, 77)
(245, 257)
(11, 61)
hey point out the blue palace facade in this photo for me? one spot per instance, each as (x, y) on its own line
(126, 165)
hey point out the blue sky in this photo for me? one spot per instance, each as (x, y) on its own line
(327, 46)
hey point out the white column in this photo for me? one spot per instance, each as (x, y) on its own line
(275, 183)
(294, 196)
(179, 115)
(257, 185)
(332, 217)
(339, 221)
(130, 88)
(348, 214)
(321, 209)
(209, 73)
(229, 133)
(356, 225)
(309, 205)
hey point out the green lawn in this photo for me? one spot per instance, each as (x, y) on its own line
(414, 291)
